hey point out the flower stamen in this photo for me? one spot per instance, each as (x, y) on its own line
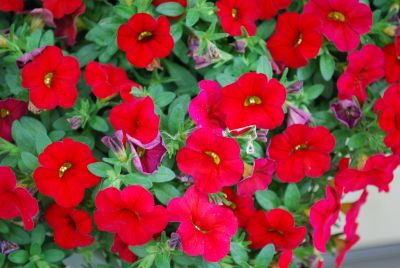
(252, 100)
(214, 156)
(64, 169)
(300, 147)
(337, 16)
(48, 79)
(144, 35)
(234, 13)
(4, 113)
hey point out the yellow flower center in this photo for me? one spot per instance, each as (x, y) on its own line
(300, 147)
(337, 16)
(214, 157)
(4, 112)
(299, 41)
(234, 13)
(48, 79)
(144, 35)
(252, 100)
(64, 169)
(140, 151)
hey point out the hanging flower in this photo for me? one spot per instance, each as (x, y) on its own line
(242, 206)
(259, 177)
(123, 250)
(10, 110)
(66, 26)
(60, 8)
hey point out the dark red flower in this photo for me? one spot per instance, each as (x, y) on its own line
(11, 5)
(60, 8)
(213, 160)
(377, 170)
(365, 67)
(204, 109)
(285, 259)
(344, 21)
(10, 110)
(107, 80)
(130, 213)
(235, 14)
(392, 62)
(71, 226)
(123, 250)
(51, 79)
(136, 119)
(389, 117)
(242, 206)
(206, 229)
(258, 178)
(276, 227)
(66, 26)
(16, 201)
(63, 172)
(297, 39)
(253, 100)
(323, 215)
(269, 8)
(144, 39)
(301, 151)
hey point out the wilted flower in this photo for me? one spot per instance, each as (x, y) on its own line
(28, 57)
(347, 112)
(297, 116)
(7, 247)
(42, 17)
(116, 144)
(240, 45)
(296, 87)
(211, 55)
(175, 241)
(75, 122)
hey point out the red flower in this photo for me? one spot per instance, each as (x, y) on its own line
(297, 39)
(377, 170)
(11, 5)
(204, 109)
(323, 215)
(136, 119)
(269, 8)
(107, 80)
(60, 8)
(242, 206)
(66, 26)
(63, 173)
(144, 39)
(276, 227)
(206, 229)
(285, 259)
(301, 151)
(51, 79)
(352, 215)
(344, 21)
(392, 63)
(213, 160)
(16, 201)
(235, 14)
(344, 246)
(389, 117)
(259, 178)
(365, 67)
(10, 110)
(253, 100)
(71, 226)
(123, 250)
(130, 213)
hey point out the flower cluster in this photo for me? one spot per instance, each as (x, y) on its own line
(185, 133)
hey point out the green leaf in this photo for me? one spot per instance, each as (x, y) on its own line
(137, 179)
(267, 199)
(176, 118)
(314, 91)
(29, 160)
(41, 142)
(192, 17)
(2, 259)
(33, 40)
(307, 71)
(47, 39)
(163, 174)
(35, 249)
(54, 255)
(162, 260)
(19, 257)
(264, 67)
(17, 235)
(100, 169)
(239, 253)
(264, 258)
(358, 140)
(182, 77)
(171, 9)
(3, 227)
(38, 234)
(291, 198)
(327, 66)
(98, 123)
(165, 192)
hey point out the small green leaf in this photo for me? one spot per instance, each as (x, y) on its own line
(192, 17)
(41, 142)
(3, 227)
(163, 174)
(54, 255)
(264, 258)
(239, 253)
(264, 67)
(171, 9)
(19, 257)
(137, 179)
(98, 123)
(314, 91)
(38, 234)
(291, 198)
(100, 169)
(165, 192)
(267, 199)
(327, 66)
(162, 260)
(29, 160)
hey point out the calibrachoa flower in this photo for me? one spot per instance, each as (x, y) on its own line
(213, 160)
(116, 144)
(144, 39)
(63, 172)
(253, 100)
(123, 250)
(205, 228)
(147, 157)
(285, 259)
(204, 109)
(11, 5)
(16, 201)
(258, 177)
(10, 110)
(323, 215)
(297, 116)
(269, 8)
(71, 226)
(107, 80)
(392, 64)
(130, 213)
(377, 170)
(365, 67)
(51, 79)
(297, 39)
(277, 227)
(301, 151)
(352, 215)
(66, 26)
(242, 206)
(235, 14)
(60, 8)
(343, 22)
(347, 112)
(136, 119)
(343, 247)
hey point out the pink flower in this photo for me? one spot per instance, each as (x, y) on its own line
(259, 178)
